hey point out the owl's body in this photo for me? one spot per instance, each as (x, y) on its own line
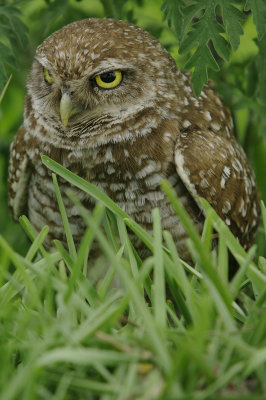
(126, 135)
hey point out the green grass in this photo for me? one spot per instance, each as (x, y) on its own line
(66, 334)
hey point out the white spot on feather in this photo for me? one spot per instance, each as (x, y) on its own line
(110, 169)
(223, 182)
(186, 123)
(147, 170)
(204, 183)
(153, 181)
(225, 175)
(109, 154)
(243, 209)
(227, 207)
(227, 171)
(19, 187)
(216, 126)
(167, 136)
(188, 89)
(207, 115)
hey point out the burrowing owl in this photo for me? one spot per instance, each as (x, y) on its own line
(107, 101)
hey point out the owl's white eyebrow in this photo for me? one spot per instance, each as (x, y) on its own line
(108, 65)
(43, 62)
(110, 69)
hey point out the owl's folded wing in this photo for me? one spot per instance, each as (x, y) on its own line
(18, 176)
(215, 167)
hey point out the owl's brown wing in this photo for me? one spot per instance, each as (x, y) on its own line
(19, 172)
(215, 167)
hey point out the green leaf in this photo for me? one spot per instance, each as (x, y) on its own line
(155, 337)
(191, 12)
(30, 232)
(257, 278)
(5, 88)
(22, 270)
(84, 185)
(21, 31)
(218, 287)
(14, 32)
(195, 24)
(172, 10)
(85, 356)
(3, 76)
(232, 18)
(258, 8)
(221, 47)
(109, 8)
(68, 233)
(18, 27)
(251, 78)
(263, 212)
(205, 30)
(7, 56)
(261, 67)
(159, 277)
(257, 359)
(200, 75)
(37, 243)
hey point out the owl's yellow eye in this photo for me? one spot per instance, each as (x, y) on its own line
(47, 76)
(109, 80)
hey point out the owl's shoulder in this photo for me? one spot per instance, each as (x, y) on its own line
(208, 111)
(214, 166)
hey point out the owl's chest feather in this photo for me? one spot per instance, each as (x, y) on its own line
(129, 172)
(126, 174)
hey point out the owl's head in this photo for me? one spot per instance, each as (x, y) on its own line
(96, 72)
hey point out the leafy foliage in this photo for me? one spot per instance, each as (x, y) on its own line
(206, 29)
(13, 35)
(261, 68)
(258, 8)
(200, 26)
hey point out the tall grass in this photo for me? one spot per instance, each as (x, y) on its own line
(67, 334)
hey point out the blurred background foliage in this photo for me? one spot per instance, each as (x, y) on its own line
(240, 77)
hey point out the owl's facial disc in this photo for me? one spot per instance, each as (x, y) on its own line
(68, 104)
(68, 108)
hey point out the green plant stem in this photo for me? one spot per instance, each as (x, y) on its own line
(109, 8)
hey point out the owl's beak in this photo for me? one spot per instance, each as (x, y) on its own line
(67, 108)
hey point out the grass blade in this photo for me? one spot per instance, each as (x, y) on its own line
(83, 185)
(35, 247)
(2, 94)
(157, 342)
(30, 232)
(69, 237)
(158, 277)
(206, 263)
(257, 278)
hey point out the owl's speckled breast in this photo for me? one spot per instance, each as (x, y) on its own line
(134, 186)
